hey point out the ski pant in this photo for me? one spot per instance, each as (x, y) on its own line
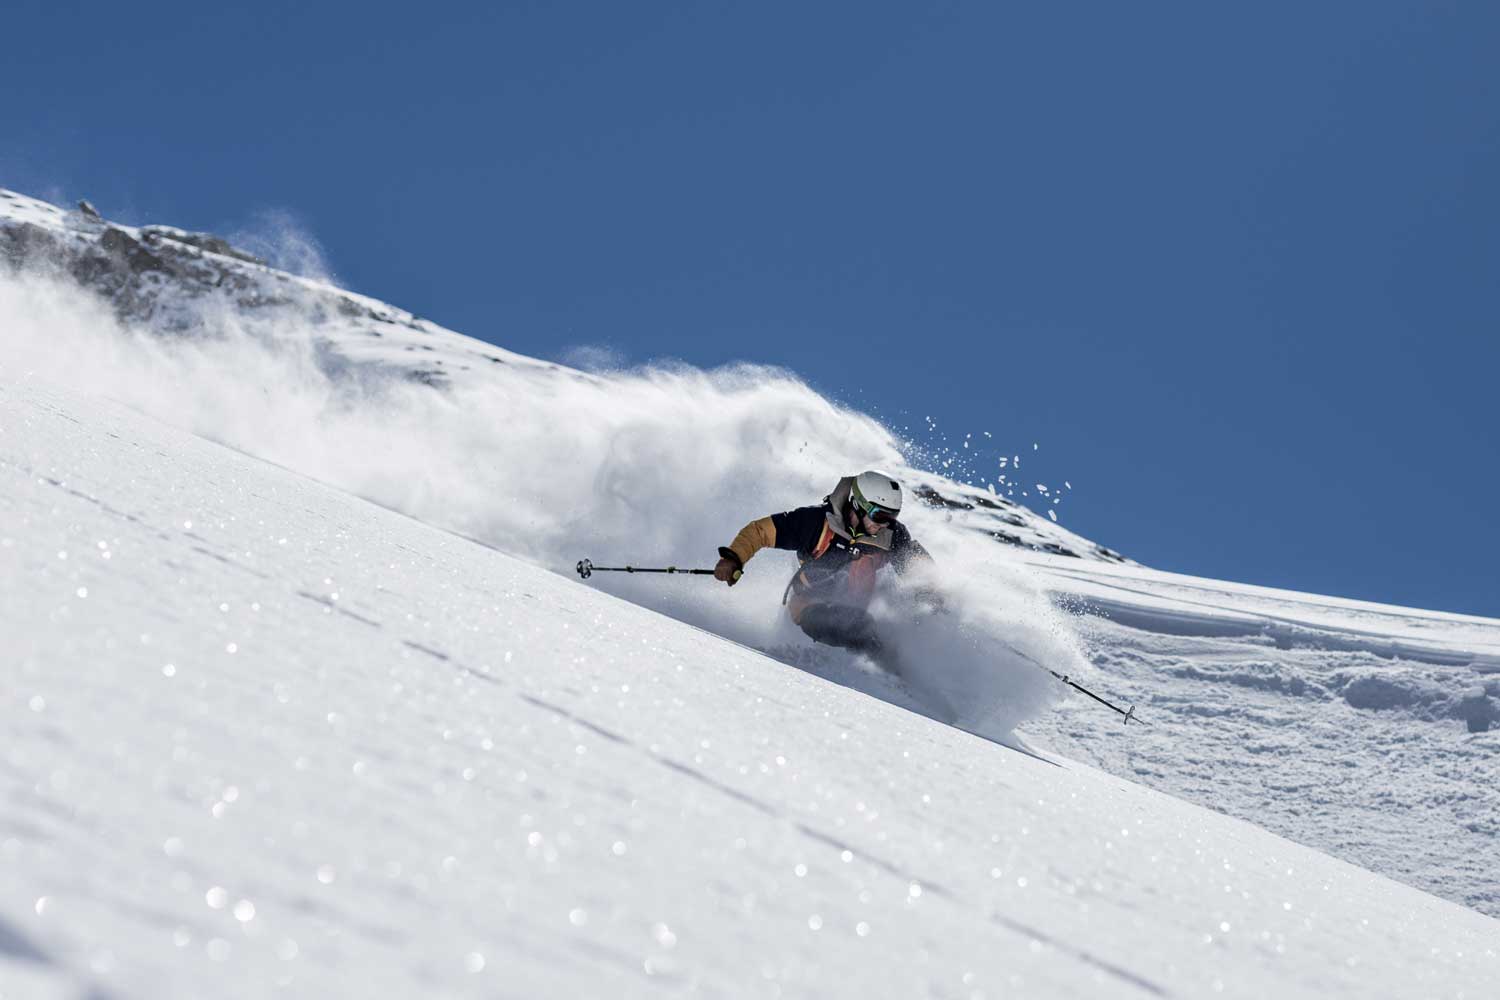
(840, 625)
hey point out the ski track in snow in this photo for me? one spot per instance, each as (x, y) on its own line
(263, 735)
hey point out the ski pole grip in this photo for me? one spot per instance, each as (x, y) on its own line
(725, 552)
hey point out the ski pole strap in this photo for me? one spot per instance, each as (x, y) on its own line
(587, 569)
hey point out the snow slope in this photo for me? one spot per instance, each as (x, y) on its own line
(126, 352)
(1366, 730)
(263, 735)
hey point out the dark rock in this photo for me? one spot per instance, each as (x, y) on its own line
(253, 298)
(438, 380)
(89, 210)
(27, 244)
(203, 241)
(136, 256)
(354, 310)
(933, 498)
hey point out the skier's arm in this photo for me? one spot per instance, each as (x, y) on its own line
(757, 535)
(793, 529)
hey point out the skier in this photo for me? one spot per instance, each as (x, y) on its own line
(842, 544)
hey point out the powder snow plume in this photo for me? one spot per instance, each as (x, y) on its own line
(651, 466)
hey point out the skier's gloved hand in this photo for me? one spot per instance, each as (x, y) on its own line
(729, 569)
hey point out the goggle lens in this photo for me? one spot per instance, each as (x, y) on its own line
(870, 509)
(879, 515)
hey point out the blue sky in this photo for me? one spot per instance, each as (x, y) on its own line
(1235, 269)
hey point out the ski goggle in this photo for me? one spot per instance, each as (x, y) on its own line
(873, 511)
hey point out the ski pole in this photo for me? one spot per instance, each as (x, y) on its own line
(587, 569)
(1079, 687)
(1075, 685)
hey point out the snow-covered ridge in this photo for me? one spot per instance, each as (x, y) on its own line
(163, 279)
(168, 281)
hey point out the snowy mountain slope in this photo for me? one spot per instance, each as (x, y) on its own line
(1343, 726)
(263, 735)
(171, 282)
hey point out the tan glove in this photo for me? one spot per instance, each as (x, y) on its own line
(729, 569)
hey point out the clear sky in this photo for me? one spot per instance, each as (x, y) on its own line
(1235, 268)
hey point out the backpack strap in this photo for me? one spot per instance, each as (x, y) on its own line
(825, 539)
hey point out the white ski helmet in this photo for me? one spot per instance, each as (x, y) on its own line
(875, 491)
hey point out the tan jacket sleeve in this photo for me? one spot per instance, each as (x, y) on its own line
(758, 534)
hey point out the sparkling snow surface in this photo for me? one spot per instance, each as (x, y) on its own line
(264, 737)
(277, 781)
(1341, 724)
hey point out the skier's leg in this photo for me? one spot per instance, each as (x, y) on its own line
(840, 625)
